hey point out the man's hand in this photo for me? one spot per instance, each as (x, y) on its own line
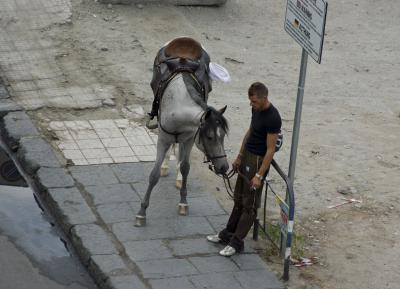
(236, 164)
(255, 183)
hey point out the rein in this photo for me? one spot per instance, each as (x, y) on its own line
(227, 180)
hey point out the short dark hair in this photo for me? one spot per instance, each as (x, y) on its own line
(258, 89)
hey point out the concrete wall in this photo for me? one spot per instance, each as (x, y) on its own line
(174, 2)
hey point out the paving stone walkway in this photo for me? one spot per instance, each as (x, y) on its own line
(171, 251)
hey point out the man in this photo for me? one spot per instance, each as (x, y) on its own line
(252, 163)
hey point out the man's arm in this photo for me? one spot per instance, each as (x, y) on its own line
(271, 143)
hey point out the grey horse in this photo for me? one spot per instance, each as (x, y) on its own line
(186, 119)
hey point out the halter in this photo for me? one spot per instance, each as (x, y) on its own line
(208, 158)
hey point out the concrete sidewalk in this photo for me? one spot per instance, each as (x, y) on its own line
(96, 205)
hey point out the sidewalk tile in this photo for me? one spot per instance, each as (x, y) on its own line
(83, 134)
(85, 144)
(108, 132)
(249, 261)
(172, 283)
(166, 268)
(130, 173)
(185, 247)
(125, 282)
(213, 264)
(205, 206)
(67, 145)
(115, 193)
(73, 154)
(116, 142)
(120, 152)
(218, 222)
(95, 154)
(96, 161)
(93, 175)
(116, 212)
(131, 159)
(80, 162)
(147, 250)
(216, 281)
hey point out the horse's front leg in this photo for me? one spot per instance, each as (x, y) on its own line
(162, 149)
(164, 165)
(178, 182)
(184, 156)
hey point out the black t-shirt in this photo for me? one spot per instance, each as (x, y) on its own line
(262, 123)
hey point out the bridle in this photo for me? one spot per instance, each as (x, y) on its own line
(208, 158)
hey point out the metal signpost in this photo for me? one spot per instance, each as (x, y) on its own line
(305, 22)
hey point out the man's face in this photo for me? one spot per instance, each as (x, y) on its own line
(257, 102)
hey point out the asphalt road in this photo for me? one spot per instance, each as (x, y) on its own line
(31, 252)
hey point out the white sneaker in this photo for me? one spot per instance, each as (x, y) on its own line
(213, 238)
(227, 251)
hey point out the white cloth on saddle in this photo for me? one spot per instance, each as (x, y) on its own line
(218, 72)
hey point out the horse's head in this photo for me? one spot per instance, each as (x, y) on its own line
(210, 138)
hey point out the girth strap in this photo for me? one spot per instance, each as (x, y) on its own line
(175, 134)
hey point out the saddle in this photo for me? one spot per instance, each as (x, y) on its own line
(179, 55)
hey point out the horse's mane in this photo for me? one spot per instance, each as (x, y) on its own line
(194, 90)
(215, 117)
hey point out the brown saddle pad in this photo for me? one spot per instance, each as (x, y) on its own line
(184, 47)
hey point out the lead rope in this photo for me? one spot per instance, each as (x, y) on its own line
(226, 178)
(228, 186)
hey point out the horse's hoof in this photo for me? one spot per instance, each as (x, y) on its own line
(178, 184)
(164, 172)
(183, 209)
(140, 221)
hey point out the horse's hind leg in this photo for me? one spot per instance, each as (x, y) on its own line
(162, 149)
(184, 155)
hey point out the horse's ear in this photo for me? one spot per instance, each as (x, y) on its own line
(208, 113)
(222, 110)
